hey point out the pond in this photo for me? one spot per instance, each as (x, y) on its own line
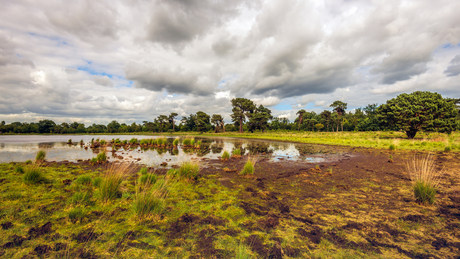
(20, 148)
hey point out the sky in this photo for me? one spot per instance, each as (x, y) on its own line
(94, 61)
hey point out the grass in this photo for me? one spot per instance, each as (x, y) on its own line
(225, 155)
(150, 197)
(176, 142)
(424, 176)
(236, 152)
(110, 184)
(40, 157)
(33, 175)
(147, 179)
(248, 168)
(83, 180)
(189, 170)
(101, 157)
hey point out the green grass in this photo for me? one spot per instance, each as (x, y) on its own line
(144, 170)
(33, 175)
(83, 180)
(236, 152)
(147, 179)
(189, 170)
(110, 185)
(424, 192)
(101, 157)
(81, 198)
(248, 168)
(186, 142)
(176, 142)
(19, 169)
(77, 214)
(40, 157)
(225, 155)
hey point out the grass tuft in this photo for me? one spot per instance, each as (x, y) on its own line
(40, 157)
(77, 214)
(33, 175)
(150, 201)
(424, 177)
(392, 147)
(236, 152)
(83, 180)
(101, 157)
(226, 155)
(249, 166)
(176, 142)
(19, 170)
(110, 185)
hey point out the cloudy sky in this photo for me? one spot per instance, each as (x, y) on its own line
(93, 61)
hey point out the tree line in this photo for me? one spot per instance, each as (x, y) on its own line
(407, 112)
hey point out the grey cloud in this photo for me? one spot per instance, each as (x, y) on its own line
(454, 69)
(8, 56)
(223, 47)
(176, 22)
(102, 80)
(399, 71)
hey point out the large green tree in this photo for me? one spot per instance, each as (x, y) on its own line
(46, 126)
(241, 108)
(171, 118)
(161, 121)
(339, 108)
(419, 111)
(259, 118)
(326, 117)
(218, 121)
(201, 121)
(300, 113)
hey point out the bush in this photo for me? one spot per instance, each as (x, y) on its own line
(424, 192)
(248, 167)
(41, 155)
(226, 155)
(33, 175)
(83, 180)
(110, 185)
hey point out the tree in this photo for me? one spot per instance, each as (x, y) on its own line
(326, 117)
(319, 126)
(241, 108)
(218, 121)
(300, 113)
(201, 121)
(339, 108)
(419, 110)
(259, 118)
(46, 126)
(113, 127)
(161, 120)
(171, 118)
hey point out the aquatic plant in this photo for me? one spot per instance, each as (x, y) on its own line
(176, 142)
(186, 142)
(249, 167)
(226, 155)
(424, 177)
(133, 141)
(101, 157)
(125, 142)
(28, 162)
(40, 157)
(103, 142)
(198, 143)
(70, 141)
(192, 142)
(236, 152)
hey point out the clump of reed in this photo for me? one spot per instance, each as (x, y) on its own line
(226, 155)
(133, 141)
(69, 142)
(198, 144)
(101, 157)
(150, 198)
(176, 142)
(33, 175)
(248, 168)
(40, 157)
(424, 176)
(110, 185)
(236, 152)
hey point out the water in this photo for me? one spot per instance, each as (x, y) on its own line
(19, 148)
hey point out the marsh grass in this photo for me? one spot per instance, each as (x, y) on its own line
(424, 176)
(248, 168)
(150, 197)
(19, 169)
(176, 142)
(81, 198)
(110, 185)
(188, 170)
(40, 157)
(77, 214)
(83, 180)
(101, 157)
(33, 175)
(147, 179)
(236, 152)
(144, 170)
(225, 155)
(186, 142)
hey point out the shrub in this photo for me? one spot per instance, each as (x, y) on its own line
(40, 157)
(110, 185)
(83, 180)
(101, 157)
(33, 175)
(19, 170)
(249, 167)
(236, 152)
(226, 155)
(424, 177)
(392, 147)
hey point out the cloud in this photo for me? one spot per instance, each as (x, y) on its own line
(102, 80)
(454, 68)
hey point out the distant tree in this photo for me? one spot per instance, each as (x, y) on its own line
(339, 108)
(326, 117)
(217, 120)
(46, 126)
(241, 108)
(319, 126)
(259, 118)
(171, 118)
(81, 128)
(2, 124)
(161, 121)
(300, 113)
(419, 110)
(113, 127)
(201, 121)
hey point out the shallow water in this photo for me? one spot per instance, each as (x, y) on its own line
(19, 148)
